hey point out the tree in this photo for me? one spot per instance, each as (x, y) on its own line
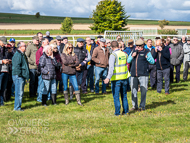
(162, 23)
(37, 15)
(109, 15)
(66, 25)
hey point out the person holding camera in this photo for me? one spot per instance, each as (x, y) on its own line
(139, 59)
(162, 56)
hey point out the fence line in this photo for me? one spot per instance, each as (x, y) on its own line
(77, 36)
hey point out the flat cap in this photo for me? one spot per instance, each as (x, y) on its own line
(92, 38)
(188, 39)
(102, 40)
(80, 40)
(59, 38)
(3, 39)
(47, 33)
(65, 38)
(100, 36)
(35, 37)
(130, 41)
(139, 42)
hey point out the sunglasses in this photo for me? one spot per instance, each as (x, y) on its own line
(108, 42)
(70, 47)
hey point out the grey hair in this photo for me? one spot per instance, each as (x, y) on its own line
(20, 44)
(46, 48)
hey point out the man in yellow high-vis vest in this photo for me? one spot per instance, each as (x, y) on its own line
(118, 74)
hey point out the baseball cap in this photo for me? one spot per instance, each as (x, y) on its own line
(47, 33)
(12, 40)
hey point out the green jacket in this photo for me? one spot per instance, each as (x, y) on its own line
(20, 65)
(31, 55)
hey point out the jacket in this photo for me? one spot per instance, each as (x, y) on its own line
(31, 55)
(177, 54)
(61, 48)
(59, 64)
(20, 65)
(39, 53)
(139, 63)
(91, 52)
(100, 58)
(69, 63)
(186, 49)
(47, 64)
(162, 58)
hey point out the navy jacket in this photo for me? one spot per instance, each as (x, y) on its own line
(162, 58)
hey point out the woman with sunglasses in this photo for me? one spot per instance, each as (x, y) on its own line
(69, 64)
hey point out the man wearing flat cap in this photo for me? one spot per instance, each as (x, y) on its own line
(4, 68)
(48, 36)
(100, 56)
(93, 43)
(139, 59)
(176, 59)
(98, 40)
(186, 60)
(84, 57)
(31, 55)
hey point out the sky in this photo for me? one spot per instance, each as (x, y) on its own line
(172, 10)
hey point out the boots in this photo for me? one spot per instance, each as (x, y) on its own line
(44, 98)
(53, 97)
(71, 92)
(77, 94)
(66, 96)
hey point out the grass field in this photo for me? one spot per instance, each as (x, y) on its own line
(22, 18)
(52, 32)
(166, 119)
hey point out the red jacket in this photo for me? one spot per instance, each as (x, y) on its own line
(39, 53)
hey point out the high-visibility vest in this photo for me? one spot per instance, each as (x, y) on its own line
(120, 69)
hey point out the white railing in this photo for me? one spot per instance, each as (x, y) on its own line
(74, 37)
(69, 36)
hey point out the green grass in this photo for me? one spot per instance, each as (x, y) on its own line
(52, 32)
(166, 119)
(23, 18)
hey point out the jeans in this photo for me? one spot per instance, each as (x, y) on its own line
(129, 83)
(143, 80)
(100, 72)
(90, 76)
(19, 91)
(186, 68)
(40, 88)
(4, 77)
(152, 70)
(33, 83)
(120, 86)
(83, 84)
(177, 73)
(49, 85)
(73, 80)
(79, 76)
(13, 90)
(166, 74)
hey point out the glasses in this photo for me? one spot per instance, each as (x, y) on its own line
(175, 39)
(70, 47)
(108, 42)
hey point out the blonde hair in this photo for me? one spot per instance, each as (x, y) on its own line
(66, 47)
(54, 41)
(53, 46)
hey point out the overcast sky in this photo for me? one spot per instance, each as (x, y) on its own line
(177, 10)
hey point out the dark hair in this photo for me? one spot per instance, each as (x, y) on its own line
(39, 33)
(114, 44)
(148, 40)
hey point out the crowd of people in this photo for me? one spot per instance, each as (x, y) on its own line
(52, 65)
